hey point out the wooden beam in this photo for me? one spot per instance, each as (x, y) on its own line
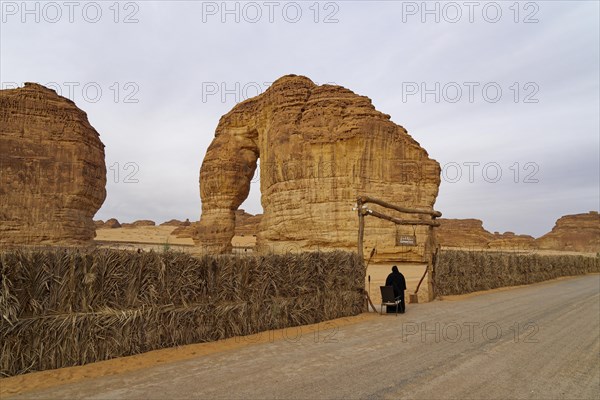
(367, 199)
(397, 220)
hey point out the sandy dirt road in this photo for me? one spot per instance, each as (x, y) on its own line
(535, 342)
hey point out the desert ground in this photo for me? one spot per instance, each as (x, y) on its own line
(531, 342)
(159, 235)
(412, 273)
(156, 238)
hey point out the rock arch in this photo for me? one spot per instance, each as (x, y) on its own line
(319, 147)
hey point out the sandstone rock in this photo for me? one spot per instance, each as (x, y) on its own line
(52, 170)
(465, 233)
(181, 232)
(511, 241)
(184, 232)
(138, 223)
(246, 224)
(320, 147)
(173, 222)
(112, 224)
(579, 232)
(99, 224)
(144, 222)
(470, 233)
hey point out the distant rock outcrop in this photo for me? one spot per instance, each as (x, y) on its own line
(52, 170)
(172, 222)
(176, 222)
(319, 147)
(462, 233)
(511, 241)
(138, 223)
(112, 224)
(470, 233)
(579, 232)
(246, 224)
(144, 222)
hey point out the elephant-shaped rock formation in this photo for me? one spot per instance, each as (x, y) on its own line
(319, 147)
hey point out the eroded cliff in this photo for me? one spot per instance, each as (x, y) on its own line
(52, 169)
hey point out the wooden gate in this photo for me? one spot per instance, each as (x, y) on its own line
(430, 246)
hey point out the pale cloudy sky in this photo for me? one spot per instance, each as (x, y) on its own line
(505, 95)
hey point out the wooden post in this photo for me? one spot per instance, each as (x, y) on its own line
(430, 249)
(361, 230)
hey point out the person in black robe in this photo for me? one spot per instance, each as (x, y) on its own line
(397, 281)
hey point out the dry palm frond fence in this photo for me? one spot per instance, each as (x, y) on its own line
(459, 272)
(65, 307)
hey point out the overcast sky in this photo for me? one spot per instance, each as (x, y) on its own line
(504, 95)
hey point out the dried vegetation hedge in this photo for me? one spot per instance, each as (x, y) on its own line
(65, 307)
(459, 272)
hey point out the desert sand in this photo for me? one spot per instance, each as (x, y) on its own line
(142, 235)
(158, 238)
(412, 273)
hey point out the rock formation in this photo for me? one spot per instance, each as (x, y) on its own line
(184, 232)
(138, 223)
(112, 223)
(246, 224)
(319, 147)
(470, 233)
(144, 222)
(52, 169)
(511, 241)
(176, 222)
(462, 233)
(579, 232)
